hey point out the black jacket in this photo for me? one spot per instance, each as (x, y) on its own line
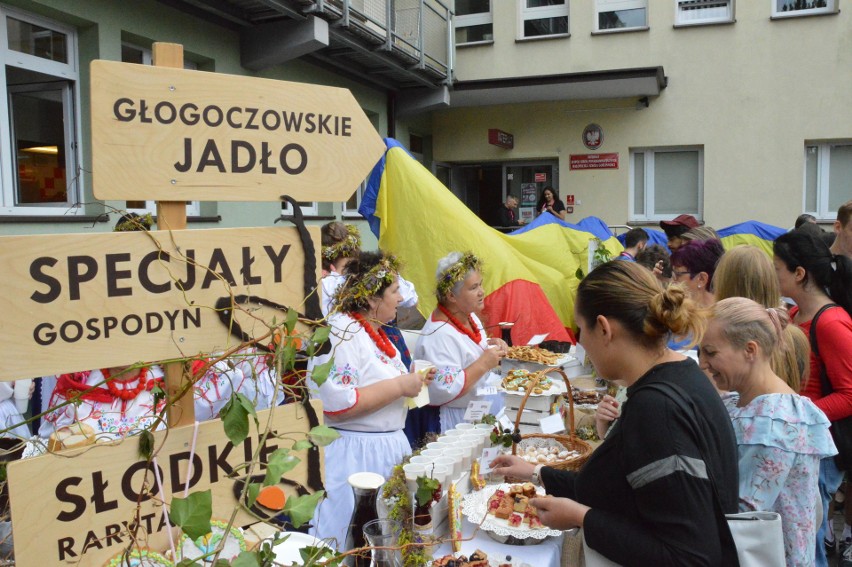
(647, 485)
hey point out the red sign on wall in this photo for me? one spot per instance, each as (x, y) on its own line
(500, 138)
(569, 199)
(593, 161)
(540, 178)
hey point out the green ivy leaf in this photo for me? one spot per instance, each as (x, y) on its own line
(288, 357)
(315, 554)
(426, 488)
(249, 407)
(322, 435)
(320, 335)
(235, 420)
(320, 372)
(158, 393)
(292, 317)
(579, 274)
(146, 445)
(188, 563)
(253, 491)
(280, 462)
(193, 513)
(302, 444)
(245, 559)
(301, 508)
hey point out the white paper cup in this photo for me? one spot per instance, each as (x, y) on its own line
(412, 471)
(446, 441)
(441, 473)
(22, 394)
(457, 454)
(456, 432)
(465, 426)
(477, 439)
(452, 464)
(435, 445)
(432, 453)
(485, 426)
(421, 460)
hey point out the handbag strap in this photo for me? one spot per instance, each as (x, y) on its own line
(676, 394)
(825, 383)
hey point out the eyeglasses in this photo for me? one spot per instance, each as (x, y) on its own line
(677, 275)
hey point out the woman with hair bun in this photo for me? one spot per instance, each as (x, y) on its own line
(647, 495)
(821, 285)
(781, 436)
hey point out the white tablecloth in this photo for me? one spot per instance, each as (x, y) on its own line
(548, 553)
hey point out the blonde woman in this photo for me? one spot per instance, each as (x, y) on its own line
(746, 271)
(781, 436)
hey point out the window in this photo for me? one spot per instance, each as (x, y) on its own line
(828, 178)
(691, 12)
(790, 8)
(621, 14)
(350, 207)
(666, 182)
(473, 21)
(143, 56)
(542, 18)
(308, 208)
(39, 170)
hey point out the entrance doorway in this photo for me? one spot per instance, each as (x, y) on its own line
(483, 187)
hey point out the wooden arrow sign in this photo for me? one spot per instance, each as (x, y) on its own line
(178, 135)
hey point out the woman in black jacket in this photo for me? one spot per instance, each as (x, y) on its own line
(646, 495)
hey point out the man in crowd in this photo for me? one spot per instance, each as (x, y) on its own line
(676, 227)
(634, 241)
(843, 230)
(508, 216)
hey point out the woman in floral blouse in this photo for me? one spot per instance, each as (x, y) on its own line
(781, 436)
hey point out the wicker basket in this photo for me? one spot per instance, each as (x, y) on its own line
(570, 442)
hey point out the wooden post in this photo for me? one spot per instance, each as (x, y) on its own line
(171, 215)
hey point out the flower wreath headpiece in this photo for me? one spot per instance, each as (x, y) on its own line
(132, 222)
(354, 293)
(456, 273)
(346, 248)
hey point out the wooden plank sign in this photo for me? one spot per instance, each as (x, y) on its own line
(74, 507)
(177, 135)
(77, 302)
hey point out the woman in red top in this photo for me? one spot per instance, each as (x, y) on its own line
(815, 278)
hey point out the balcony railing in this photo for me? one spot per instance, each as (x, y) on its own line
(417, 32)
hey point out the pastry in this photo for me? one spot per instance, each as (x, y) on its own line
(515, 520)
(505, 509)
(520, 504)
(71, 436)
(478, 559)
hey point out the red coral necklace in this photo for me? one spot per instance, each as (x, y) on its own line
(379, 337)
(126, 394)
(475, 335)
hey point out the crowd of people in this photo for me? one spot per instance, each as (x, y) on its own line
(754, 425)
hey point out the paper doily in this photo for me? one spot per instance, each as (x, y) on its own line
(475, 507)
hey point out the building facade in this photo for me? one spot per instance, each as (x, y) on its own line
(633, 110)
(727, 110)
(378, 50)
